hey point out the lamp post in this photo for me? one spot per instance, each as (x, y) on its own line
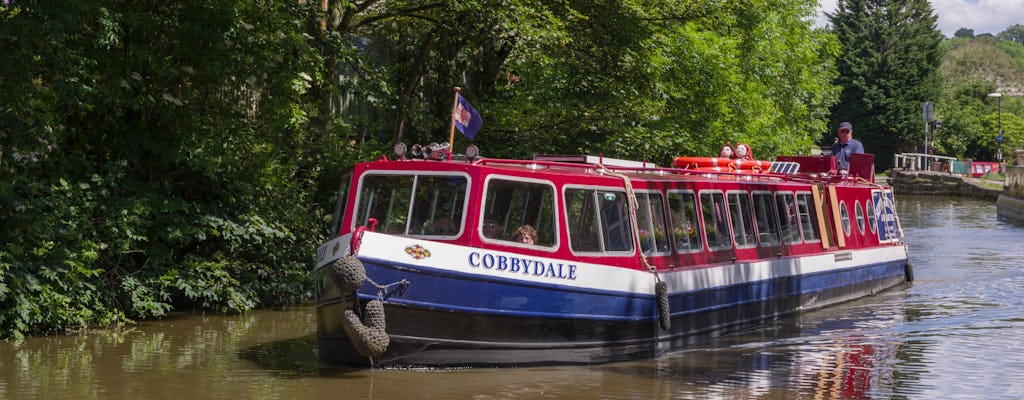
(999, 136)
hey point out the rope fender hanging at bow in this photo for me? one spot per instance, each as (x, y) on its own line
(370, 338)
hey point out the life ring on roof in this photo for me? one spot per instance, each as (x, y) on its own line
(761, 165)
(718, 164)
(697, 162)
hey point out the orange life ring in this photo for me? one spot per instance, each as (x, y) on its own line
(712, 169)
(719, 164)
(691, 162)
(751, 165)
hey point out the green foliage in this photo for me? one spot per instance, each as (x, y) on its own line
(154, 158)
(889, 66)
(160, 156)
(1013, 33)
(974, 68)
(964, 33)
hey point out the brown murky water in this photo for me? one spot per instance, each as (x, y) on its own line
(956, 333)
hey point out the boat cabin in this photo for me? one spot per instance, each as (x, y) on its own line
(580, 208)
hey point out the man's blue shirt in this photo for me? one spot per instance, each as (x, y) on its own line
(842, 152)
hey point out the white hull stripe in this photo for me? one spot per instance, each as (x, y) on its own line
(490, 264)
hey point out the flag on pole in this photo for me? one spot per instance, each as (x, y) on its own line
(467, 120)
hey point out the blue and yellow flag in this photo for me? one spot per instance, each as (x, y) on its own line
(467, 120)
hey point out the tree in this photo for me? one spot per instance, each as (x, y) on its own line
(161, 155)
(1014, 33)
(888, 67)
(151, 155)
(964, 33)
(972, 69)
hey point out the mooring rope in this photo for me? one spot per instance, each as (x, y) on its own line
(660, 287)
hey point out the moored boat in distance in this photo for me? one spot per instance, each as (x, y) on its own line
(468, 261)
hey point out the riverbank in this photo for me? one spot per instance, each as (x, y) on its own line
(943, 184)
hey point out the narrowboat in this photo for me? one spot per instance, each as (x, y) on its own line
(441, 260)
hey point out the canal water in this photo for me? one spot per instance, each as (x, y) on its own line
(957, 332)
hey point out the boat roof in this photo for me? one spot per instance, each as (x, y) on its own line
(599, 166)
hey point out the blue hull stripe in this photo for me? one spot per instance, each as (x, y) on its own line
(467, 293)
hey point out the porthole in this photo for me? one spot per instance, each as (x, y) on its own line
(870, 205)
(844, 215)
(860, 217)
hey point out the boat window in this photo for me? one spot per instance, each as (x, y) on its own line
(870, 211)
(683, 208)
(650, 219)
(844, 216)
(598, 220)
(742, 220)
(513, 204)
(421, 205)
(716, 222)
(860, 217)
(789, 218)
(764, 214)
(339, 206)
(808, 217)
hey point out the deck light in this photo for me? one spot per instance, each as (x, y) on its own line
(399, 149)
(430, 150)
(472, 151)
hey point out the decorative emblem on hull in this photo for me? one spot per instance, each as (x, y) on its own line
(417, 251)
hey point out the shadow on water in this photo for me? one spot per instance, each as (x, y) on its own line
(285, 358)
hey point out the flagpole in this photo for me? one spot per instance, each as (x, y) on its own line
(451, 134)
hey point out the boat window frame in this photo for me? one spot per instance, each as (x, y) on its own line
(519, 179)
(771, 216)
(844, 218)
(747, 216)
(697, 222)
(869, 211)
(859, 214)
(812, 216)
(704, 225)
(412, 195)
(341, 203)
(664, 222)
(798, 237)
(601, 239)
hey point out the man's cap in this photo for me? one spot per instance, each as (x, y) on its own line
(846, 125)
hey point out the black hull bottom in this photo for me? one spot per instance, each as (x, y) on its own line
(495, 340)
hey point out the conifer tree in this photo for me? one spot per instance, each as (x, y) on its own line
(888, 67)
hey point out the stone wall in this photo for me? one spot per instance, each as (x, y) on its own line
(1011, 203)
(939, 184)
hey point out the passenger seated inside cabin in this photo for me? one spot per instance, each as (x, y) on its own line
(525, 234)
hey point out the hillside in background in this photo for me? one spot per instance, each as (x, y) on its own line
(985, 59)
(974, 69)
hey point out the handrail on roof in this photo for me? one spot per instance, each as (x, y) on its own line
(587, 167)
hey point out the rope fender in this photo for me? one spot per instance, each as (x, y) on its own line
(664, 316)
(348, 274)
(370, 339)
